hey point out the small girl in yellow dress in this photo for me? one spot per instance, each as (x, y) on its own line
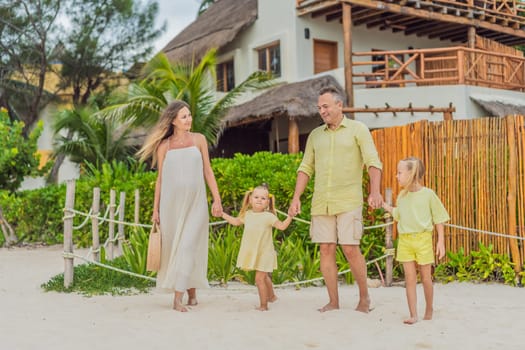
(257, 251)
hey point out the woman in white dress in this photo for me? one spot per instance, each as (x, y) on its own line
(180, 204)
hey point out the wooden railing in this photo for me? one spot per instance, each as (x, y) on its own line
(443, 66)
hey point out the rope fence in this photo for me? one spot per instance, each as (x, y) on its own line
(112, 240)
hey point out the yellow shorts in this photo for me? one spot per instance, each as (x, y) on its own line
(343, 228)
(415, 247)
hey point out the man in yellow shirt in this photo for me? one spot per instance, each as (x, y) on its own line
(336, 153)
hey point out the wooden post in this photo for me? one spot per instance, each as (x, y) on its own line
(348, 59)
(111, 224)
(471, 35)
(68, 233)
(389, 245)
(511, 195)
(121, 214)
(461, 66)
(137, 207)
(293, 136)
(95, 209)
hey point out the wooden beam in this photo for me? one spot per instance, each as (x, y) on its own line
(390, 19)
(433, 16)
(432, 30)
(327, 11)
(447, 31)
(348, 60)
(371, 15)
(303, 10)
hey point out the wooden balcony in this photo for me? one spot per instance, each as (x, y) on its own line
(443, 66)
(499, 20)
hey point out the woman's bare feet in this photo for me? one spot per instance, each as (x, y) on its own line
(272, 298)
(262, 308)
(328, 307)
(192, 302)
(410, 320)
(177, 305)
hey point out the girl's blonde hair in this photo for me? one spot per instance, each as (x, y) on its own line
(161, 131)
(416, 170)
(246, 200)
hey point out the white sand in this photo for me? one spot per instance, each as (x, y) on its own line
(467, 316)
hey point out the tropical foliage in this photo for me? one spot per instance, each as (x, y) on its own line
(193, 83)
(90, 140)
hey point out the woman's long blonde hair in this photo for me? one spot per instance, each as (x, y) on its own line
(416, 170)
(246, 200)
(161, 131)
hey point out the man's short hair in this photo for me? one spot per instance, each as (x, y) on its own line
(333, 91)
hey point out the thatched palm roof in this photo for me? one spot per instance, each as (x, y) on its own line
(500, 106)
(215, 28)
(295, 100)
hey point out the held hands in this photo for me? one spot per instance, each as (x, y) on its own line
(295, 208)
(375, 200)
(216, 209)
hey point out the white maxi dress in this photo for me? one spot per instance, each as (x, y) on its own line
(183, 221)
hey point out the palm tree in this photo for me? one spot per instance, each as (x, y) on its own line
(194, 84)
(205, 4)
(93, 140)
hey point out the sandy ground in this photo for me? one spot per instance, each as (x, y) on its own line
(467, 316)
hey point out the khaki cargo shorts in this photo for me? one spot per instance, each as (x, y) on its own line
(343, 228)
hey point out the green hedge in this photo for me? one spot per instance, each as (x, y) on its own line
(36, 215)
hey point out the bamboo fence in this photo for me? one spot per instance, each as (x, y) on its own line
(476, 167)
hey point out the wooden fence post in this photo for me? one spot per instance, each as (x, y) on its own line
(511, 194)
(388, 241)
(111, 224)
(94, 223)
(68, 233)
(121, 214)
(137, 207)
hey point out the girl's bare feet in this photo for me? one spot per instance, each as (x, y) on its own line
(410, 320)
(428, 315)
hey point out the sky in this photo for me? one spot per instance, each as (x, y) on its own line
(177, 14)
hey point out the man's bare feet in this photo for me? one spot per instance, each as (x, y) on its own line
(364, 306)
(262, 308)
(272, 298)
(328, 307)
(410, 320)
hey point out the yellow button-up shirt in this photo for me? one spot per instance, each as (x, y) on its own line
(337, 158)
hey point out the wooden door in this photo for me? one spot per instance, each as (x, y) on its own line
(325, 55)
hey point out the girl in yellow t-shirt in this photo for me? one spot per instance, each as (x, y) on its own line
(257, 251)
(418, 210)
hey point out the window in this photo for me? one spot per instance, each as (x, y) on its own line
(270, 59)
(225, 76)
(325, 55)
